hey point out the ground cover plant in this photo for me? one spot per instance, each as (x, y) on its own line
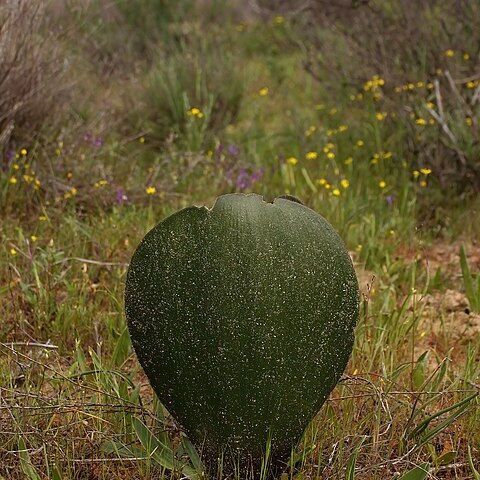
(107, 133)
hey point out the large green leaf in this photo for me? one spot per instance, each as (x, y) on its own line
(242, 317)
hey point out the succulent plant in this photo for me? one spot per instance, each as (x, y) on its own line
(243, 317)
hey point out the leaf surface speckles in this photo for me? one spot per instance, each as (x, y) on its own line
(242, 317)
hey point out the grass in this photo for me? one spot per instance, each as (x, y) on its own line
(368, 154)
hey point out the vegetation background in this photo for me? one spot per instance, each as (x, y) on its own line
(116, 113)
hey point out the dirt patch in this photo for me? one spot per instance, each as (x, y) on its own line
(447, 313)
(443, 256)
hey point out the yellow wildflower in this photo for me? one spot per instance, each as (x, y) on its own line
(420, 84)
(381, 116)
(100, 183)
(449, 53)
(150, 190)
(263, 91)
(330, 155)
(23, 151)
(13, 180)
(382, 184)
(33, 238)
(321, 181)
(348, 161)
(336, 192)
(360, 143)
(423, 183)
(15, 166)
(425, 171)
(345, 183)
(279, 19)
(430, 86)
(342, 128)
(359, 247)
(311, 155)
(466, 56)
(415, 173)
(13, 252)
(141, 139)
(42, 218)
(469, 121)
(195, 112)
(420, 121)
(292, 161)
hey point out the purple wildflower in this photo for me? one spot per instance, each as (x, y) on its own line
(121, 197)
(233, 150)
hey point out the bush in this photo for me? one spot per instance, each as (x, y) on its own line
(417, 61)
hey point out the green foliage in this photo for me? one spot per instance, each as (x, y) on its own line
(418, 473)
(471, 282)
(243, 273)
(202, 76)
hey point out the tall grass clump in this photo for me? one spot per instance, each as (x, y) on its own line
(29, 67)
(196, 91)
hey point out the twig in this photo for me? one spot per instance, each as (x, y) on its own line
(30, 344)
(476, 96)
(441, 121)
(92, 262)
(436, 84)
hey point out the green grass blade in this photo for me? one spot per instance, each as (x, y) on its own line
(192, 454)
(159, 452)
(352, 461)
(475, 472)
(459, 407)
(123, 451)
(418, 473)
(27, 467)
(468, 281)
(122, 348)
(308, 181)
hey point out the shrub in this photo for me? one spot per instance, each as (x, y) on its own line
(425, 56)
